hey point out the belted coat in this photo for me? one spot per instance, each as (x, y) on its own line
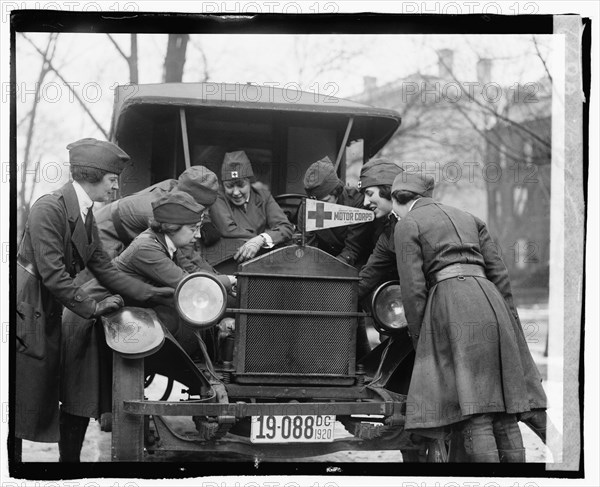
(54, 248)
(471, 352)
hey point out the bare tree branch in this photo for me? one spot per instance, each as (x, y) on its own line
(537, 50)
(205, 69)
(24, 195)
(117, 47)
(490, 109)
(131, 59)
(77, 97)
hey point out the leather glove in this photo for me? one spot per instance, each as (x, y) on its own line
(209, 233)
(249, 249)
(108, 305)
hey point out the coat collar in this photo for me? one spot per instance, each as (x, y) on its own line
(254, 199)
(423, 202)
(160, 238)
(78, 233)
(71, 202)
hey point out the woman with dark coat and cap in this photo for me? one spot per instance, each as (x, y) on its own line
(376, 178)
(244, 212)
(60, 240)
(473, 370)
(154, 258)
(351, 244)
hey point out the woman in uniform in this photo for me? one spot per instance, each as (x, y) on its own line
(244, 212)
(473, 370)
(153, 257)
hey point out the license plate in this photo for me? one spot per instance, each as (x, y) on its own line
(292, 429)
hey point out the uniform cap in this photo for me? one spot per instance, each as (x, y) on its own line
(236, 165)
(418, 183)
(378, 172)
(201, 183)
(321, 179)
(177, 207)
(98, 154)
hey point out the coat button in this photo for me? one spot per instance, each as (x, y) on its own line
(78, 298)
(37, 314)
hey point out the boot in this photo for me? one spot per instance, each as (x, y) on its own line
(437, 452)
(537, 420)
(479, 441)
(508, 438)
(512, 456)
(72, 434)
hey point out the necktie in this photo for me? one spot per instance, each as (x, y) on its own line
(89, 219)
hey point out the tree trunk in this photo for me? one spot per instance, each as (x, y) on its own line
(133, 61)
(175, 58)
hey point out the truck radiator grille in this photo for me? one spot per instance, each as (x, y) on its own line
(300, 294)
(298, 345)
(291, 327)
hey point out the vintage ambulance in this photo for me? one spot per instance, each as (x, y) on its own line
(288, 378)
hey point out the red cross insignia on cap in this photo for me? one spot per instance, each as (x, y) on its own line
(234, 174)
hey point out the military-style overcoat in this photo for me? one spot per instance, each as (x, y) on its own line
(471, 353)
(262, 214)
(53, 250)
(131, 214)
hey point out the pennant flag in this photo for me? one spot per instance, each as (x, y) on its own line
(319, 215)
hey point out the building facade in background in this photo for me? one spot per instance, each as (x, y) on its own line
(488, 148)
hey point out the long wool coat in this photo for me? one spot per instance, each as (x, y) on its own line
(87, 361)
(263, 214)
(471, 353)
(55, 245)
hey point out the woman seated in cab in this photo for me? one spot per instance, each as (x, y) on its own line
(245, 212)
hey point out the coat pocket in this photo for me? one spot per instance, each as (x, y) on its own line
(31, 338)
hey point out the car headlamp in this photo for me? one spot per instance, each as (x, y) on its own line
(387, 308)
(133, 332)
(200, 299)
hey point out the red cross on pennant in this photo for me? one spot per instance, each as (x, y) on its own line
(320, 215)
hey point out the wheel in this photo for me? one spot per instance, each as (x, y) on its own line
(127, 429)
(290, 204)
(168, 389)
(148, 380)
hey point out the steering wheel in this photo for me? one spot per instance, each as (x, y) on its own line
(290, 204)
